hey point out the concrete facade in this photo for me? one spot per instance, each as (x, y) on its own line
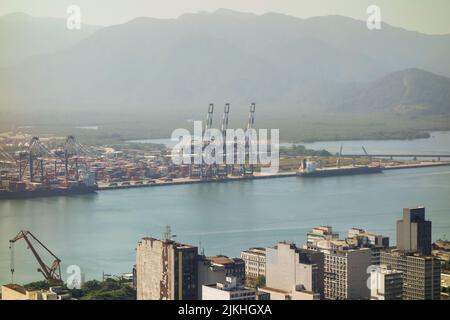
(166, 270)
(421, 274)
(346, 274)
(289, 268)
(208, 274)
(386, 284)
(255, 263)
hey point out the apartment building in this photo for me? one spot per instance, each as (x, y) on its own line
(255, 263)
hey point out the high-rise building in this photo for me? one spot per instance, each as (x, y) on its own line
(386, 284)
(414, 232)
(421, 274)
(255, 263)
(227, 290)
(346, 274)
(166, 270)
(293, 273)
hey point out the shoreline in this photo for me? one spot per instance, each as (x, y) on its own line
(184, 181)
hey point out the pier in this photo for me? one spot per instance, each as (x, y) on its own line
(255, 176)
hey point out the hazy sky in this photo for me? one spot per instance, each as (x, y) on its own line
(427, 16)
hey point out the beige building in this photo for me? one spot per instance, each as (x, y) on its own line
(255, 263)
(321, 233)
(421, 274)
(17, 292)
(293, 273)
(386, 284)
(166, 270)
(346, 274)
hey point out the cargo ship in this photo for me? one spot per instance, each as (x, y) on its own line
(11, 189)
(309, 170)
(51, 192)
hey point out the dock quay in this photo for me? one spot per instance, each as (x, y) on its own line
(418, 165)
(181, 181)
(256, 176)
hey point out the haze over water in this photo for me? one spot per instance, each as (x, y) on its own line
(100, 232)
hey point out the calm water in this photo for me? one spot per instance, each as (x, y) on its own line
(438, 143)
(99, 232)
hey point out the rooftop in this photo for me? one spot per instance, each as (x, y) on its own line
(174, 243)
(16, 287)
(222, 260)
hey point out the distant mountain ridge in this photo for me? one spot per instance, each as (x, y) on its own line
(23, 36)
(171, 68)
(411, 91)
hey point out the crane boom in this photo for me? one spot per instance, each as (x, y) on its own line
(338, 162)
(209, 117)
(224, 128)
(251, 116)
(226, 111)
(51, 273)
(250, 124)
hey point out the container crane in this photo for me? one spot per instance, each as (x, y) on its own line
(6, 156)
(365, 152)
(204, 170)
(36, 152)
(223, 129)
(250, 124)
(338, 161)
(51, 273)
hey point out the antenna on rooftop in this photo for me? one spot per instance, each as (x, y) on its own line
(168, 234)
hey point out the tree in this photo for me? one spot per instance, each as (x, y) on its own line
(260, 282)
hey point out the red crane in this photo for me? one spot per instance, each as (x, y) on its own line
(51, 273)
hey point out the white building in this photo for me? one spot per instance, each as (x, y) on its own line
(227, 290)
(255, 263)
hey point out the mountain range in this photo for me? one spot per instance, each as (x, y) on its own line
(164, 69)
